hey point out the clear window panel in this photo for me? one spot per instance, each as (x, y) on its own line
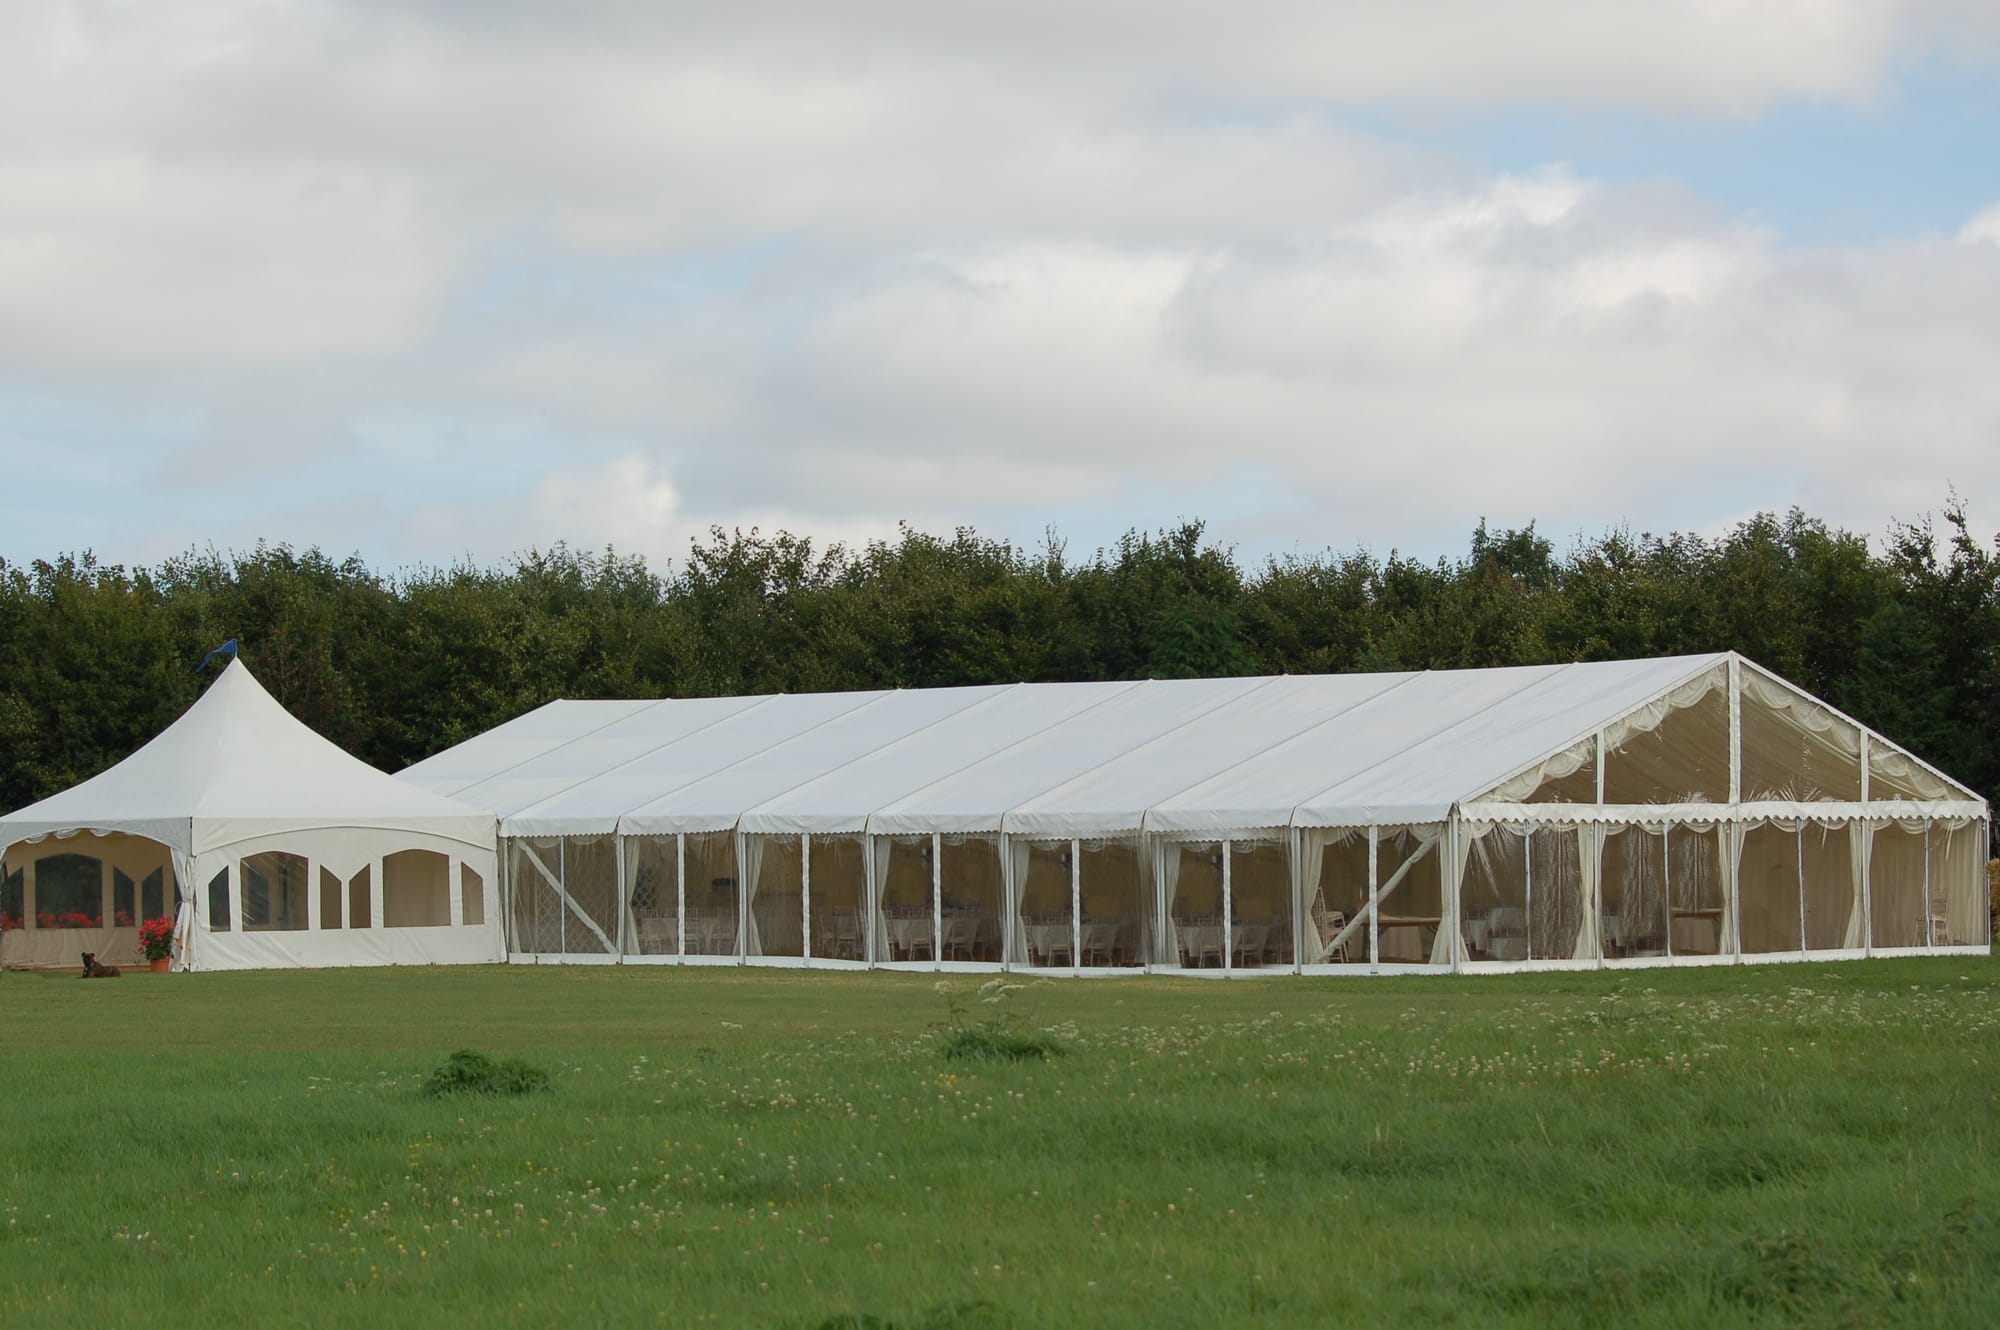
(1767, 897)
(590, 878)
(839, 898)
(1699, 902)
(1633, 885)
(1493, 897)
(776, 900)
(218, 902)
(1959, 884)
(1046, 920)
(1260, 895)
(1196, 906)
(416, 889)
(652, 895)
(330, 892)
(1832, 888)
(153, 894)
(1339, 899)
(1555, 895)
(274, 892)
(1683, 759)
(534, 867)
(1899, 911)
(712, 895)
(1785, 758)
(471, 895)
(361, 899)
(973, 897)
(124, 898)
(1115, 919)
(69, 891)
(1410, 870)
(909, 929)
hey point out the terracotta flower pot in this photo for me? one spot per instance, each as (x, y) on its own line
(161, 965)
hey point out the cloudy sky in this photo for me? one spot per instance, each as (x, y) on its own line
(443, 278)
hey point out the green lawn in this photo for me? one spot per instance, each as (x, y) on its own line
(1812, 1145)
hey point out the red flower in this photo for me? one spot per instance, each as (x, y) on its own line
(156, 938)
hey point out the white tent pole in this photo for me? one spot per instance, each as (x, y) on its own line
(937, 901)
(1667, 855)
(1801, 835)
(1076, 904)
(1735, 728)
(1228, 914)
(1928, 930)
(680, 895)
(1528, 876)
(1374, 900)
(1867, 853)
(562, 879)
(805, 896)
(1010, 900)
(1295, 861)
(1451, 876)
(624, 897)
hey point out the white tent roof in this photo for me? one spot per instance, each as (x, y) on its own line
(1179, 756)
(236, 765)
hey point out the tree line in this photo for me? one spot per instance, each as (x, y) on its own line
(96, 658)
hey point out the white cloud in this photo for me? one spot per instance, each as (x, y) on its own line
(829, 267)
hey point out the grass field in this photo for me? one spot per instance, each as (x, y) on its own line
(1809, 1145)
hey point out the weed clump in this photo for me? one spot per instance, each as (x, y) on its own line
(467, 1072)
(995, 1035)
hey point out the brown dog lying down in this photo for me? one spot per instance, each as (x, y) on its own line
(92, 970)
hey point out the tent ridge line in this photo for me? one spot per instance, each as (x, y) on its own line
(1409, 677)
(758, 705)
(1266, 681)
(555, 747)
(871, 699)
(1438, 733)
(1003, 691)
(1127, 686)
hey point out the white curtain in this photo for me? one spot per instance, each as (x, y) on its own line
(1167, 873)
(1651, 716)
(750, 858)
(1447, 934)
(1568, 762)
(1015, 861)
(1589, 846)
(1860, 838)
(878, 881)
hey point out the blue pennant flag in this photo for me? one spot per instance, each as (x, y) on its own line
(226, 649)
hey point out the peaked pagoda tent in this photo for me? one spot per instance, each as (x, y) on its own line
(269, 845)
(1685, 810)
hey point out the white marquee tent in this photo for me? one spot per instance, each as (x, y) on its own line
(1686, 810)
(268, 844)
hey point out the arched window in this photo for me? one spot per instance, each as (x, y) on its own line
(69, 892)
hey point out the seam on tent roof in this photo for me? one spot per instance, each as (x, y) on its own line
(1030, 737)
(1294, 737)
(1434, 735)
(872, 700)
(1007, 691)
(1141, 747)
(558, 747)
(758, 705)
(1897, 748)
(1711, 661)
